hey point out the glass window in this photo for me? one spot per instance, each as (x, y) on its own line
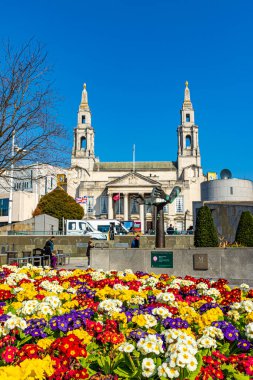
(4, 207)
(188, 118)
(103, 205)
(134, 206)
(83, 119)
(179, 205)
(82, 226)
(104, 229)
(72, 226)
(119, 206)
(90, 204)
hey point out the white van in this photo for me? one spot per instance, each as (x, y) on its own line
(103, 226)
(83, 227)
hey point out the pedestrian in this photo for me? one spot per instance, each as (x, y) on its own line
(49, 248)
(170, 230)
(54, 259)
(90, 245)
(111, 231)
(136, 242)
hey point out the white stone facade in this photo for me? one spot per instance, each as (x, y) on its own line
(100, 182)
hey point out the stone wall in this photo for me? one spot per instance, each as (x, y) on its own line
(235, 264)
(76, 245)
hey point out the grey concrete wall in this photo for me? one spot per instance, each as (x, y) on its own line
(227, 190)
(235, 264)
(76, 244)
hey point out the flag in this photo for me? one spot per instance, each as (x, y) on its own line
(81, 199)
(116, 197)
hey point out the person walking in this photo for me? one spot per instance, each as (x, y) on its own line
(111, 231)
(49, 248)
(90, 245)
(136, 242)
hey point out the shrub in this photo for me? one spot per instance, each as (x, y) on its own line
(205, 231)
(59, 204)
(244, 232)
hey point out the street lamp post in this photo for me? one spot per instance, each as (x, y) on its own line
(11, 179)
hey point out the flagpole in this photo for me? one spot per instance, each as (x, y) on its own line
(134, 158)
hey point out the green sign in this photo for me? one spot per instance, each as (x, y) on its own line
(161, 259)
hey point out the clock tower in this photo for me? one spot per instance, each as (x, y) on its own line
(188, 156)
(83, 154)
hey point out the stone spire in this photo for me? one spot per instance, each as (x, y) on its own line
(84, 101)
(187, 105)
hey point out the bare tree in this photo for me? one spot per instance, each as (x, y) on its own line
(27, 109)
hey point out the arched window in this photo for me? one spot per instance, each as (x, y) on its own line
(83, 143)
(188, 141)
(188, 118)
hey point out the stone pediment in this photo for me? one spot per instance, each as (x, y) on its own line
(133, 179)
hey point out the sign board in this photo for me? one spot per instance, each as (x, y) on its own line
(200, 261)
(161, 259)
(211, 176)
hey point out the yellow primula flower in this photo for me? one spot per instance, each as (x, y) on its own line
(16, 305)
(82, 335)
(139, 320)
(29, 369)
(45, 342)
(4, 287)
(249, 318)
(71, 304)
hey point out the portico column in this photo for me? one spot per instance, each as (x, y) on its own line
(142, 216)
(125, 206)
(110, 207)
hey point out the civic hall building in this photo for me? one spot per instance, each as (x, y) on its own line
(101, 183)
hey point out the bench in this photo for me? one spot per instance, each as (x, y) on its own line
(34, 260)
(63, 258)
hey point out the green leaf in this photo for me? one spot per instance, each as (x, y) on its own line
(241, 376)
(122, 373)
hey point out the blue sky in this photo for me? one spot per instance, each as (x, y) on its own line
(135, 56)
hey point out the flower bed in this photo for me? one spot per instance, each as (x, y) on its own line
(120, 325)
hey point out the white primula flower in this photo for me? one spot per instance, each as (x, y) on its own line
(192, 365)
(14, 322)
(213, 332)
(244, 287)
(161, 370)
(53, 301)
(126, 347)
(249, 331)
(147, 373)
(206, 342)
(172, 372)
(148, 364)
(161, 312)
(165, 297)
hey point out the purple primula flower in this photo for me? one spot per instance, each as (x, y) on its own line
(230, 334)
(4, 317)
(175, 323)
(53, 323)
(138, 334)
(243, 344)
(207, 306)
(62, 323)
